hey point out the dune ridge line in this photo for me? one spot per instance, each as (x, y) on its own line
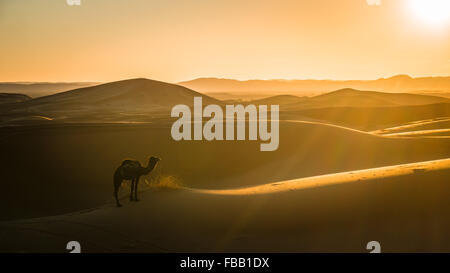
(335, 178)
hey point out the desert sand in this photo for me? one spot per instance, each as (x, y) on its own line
(403, 207)
(339, 179)
(201, 203)
(336, 178)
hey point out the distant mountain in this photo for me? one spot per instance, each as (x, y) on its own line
(35, 90)
(12, 98)
(395, 84)
(117, 98)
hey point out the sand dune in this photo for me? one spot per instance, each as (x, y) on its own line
(421, 124)
(421, 133)
(24, 120)
(441, 93)
(281, 100)
(350, 98)
(402, 207)
(340, 183)
(84, 156)
(12, 98)
(336, 178)
(431, 128)
(39, 89)
(141, 100)
(134, 96)
(375, 118)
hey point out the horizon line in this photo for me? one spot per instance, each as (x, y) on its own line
(221, 78)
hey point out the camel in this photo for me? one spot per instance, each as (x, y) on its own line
(132, 170)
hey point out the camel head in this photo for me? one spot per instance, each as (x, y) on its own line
(153, 160)
(151, 165)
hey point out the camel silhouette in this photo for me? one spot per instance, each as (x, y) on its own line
(132, 170)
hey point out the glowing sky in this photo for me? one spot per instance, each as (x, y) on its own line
(176, 40)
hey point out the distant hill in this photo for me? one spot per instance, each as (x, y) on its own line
(137, 100)
(35, 90)
(364, 110)
(432, 93)
(351, 98)
(395, 84)
(117, 98)
(12, 98)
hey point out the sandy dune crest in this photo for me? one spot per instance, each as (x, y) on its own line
(336, 178)
(410, 125)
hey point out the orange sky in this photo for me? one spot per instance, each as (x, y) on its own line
(176, 40)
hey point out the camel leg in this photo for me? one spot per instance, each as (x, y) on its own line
(132, 188)
(116, 189)
(117, 183)
(136, 189)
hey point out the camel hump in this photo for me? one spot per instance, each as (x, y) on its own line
(129, 168)
(130, 162)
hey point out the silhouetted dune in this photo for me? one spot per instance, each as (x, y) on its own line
(351, 98)
(13, 98)
(40, 89)
(137, 100)
(129, 96)
(436, 93)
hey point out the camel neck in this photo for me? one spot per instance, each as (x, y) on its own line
(150, 167)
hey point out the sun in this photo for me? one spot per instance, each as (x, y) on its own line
(435, 12)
